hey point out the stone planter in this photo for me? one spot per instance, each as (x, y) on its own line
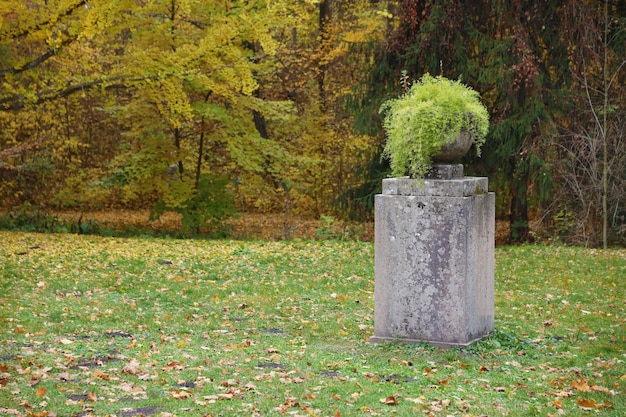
(456, 150)
(434, 259)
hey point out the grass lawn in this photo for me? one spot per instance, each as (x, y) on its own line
(93, 326)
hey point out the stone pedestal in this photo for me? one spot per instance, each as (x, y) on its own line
(434, 259)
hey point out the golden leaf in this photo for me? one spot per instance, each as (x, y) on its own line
(580, 385)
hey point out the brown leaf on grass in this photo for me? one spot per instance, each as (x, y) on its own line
(41, 392)
(390, 400)
(131, 367)
(222, 396)
(101, 375)
(291, 402)
(179, 395)
(600, 388)
(586, 404)
(130, 388)
(250, 386)
(229, 383)
(416, 400)
(174, 365)
(92, 397)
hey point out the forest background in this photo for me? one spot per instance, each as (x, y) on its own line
(271, 106)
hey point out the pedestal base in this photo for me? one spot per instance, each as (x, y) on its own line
(434, 261)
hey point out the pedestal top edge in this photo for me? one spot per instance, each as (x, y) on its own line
(461, 187)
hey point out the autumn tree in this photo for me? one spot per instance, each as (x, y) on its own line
(165, 75)
(325, 50)
(142, 103)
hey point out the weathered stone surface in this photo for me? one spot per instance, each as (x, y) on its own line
(464, 187)
(455, 150)
(445, 172)
(434, 261)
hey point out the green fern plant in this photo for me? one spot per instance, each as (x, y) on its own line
(431, 113)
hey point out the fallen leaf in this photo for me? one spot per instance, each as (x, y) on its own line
(557, 404)
(416, 400)
(41, 392)
(390, 400)
(92, 397)
(131, 367)
(586, 404)
(580, 385)
(101, 375)
(600, 388)
(229, 383)
(179, 395)
(291, 402)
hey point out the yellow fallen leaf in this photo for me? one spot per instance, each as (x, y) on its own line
(580, 385)
(101, 375)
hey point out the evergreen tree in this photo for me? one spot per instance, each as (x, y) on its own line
(518, 55)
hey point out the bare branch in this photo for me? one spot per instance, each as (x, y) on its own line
(37, 61)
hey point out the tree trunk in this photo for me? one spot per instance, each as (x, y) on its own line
(519, 230)
(325, 15)
(605, 151)
(177, 143)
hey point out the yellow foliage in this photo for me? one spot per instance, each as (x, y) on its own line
(108, 77)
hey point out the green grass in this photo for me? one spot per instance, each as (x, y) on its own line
(93, 326)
